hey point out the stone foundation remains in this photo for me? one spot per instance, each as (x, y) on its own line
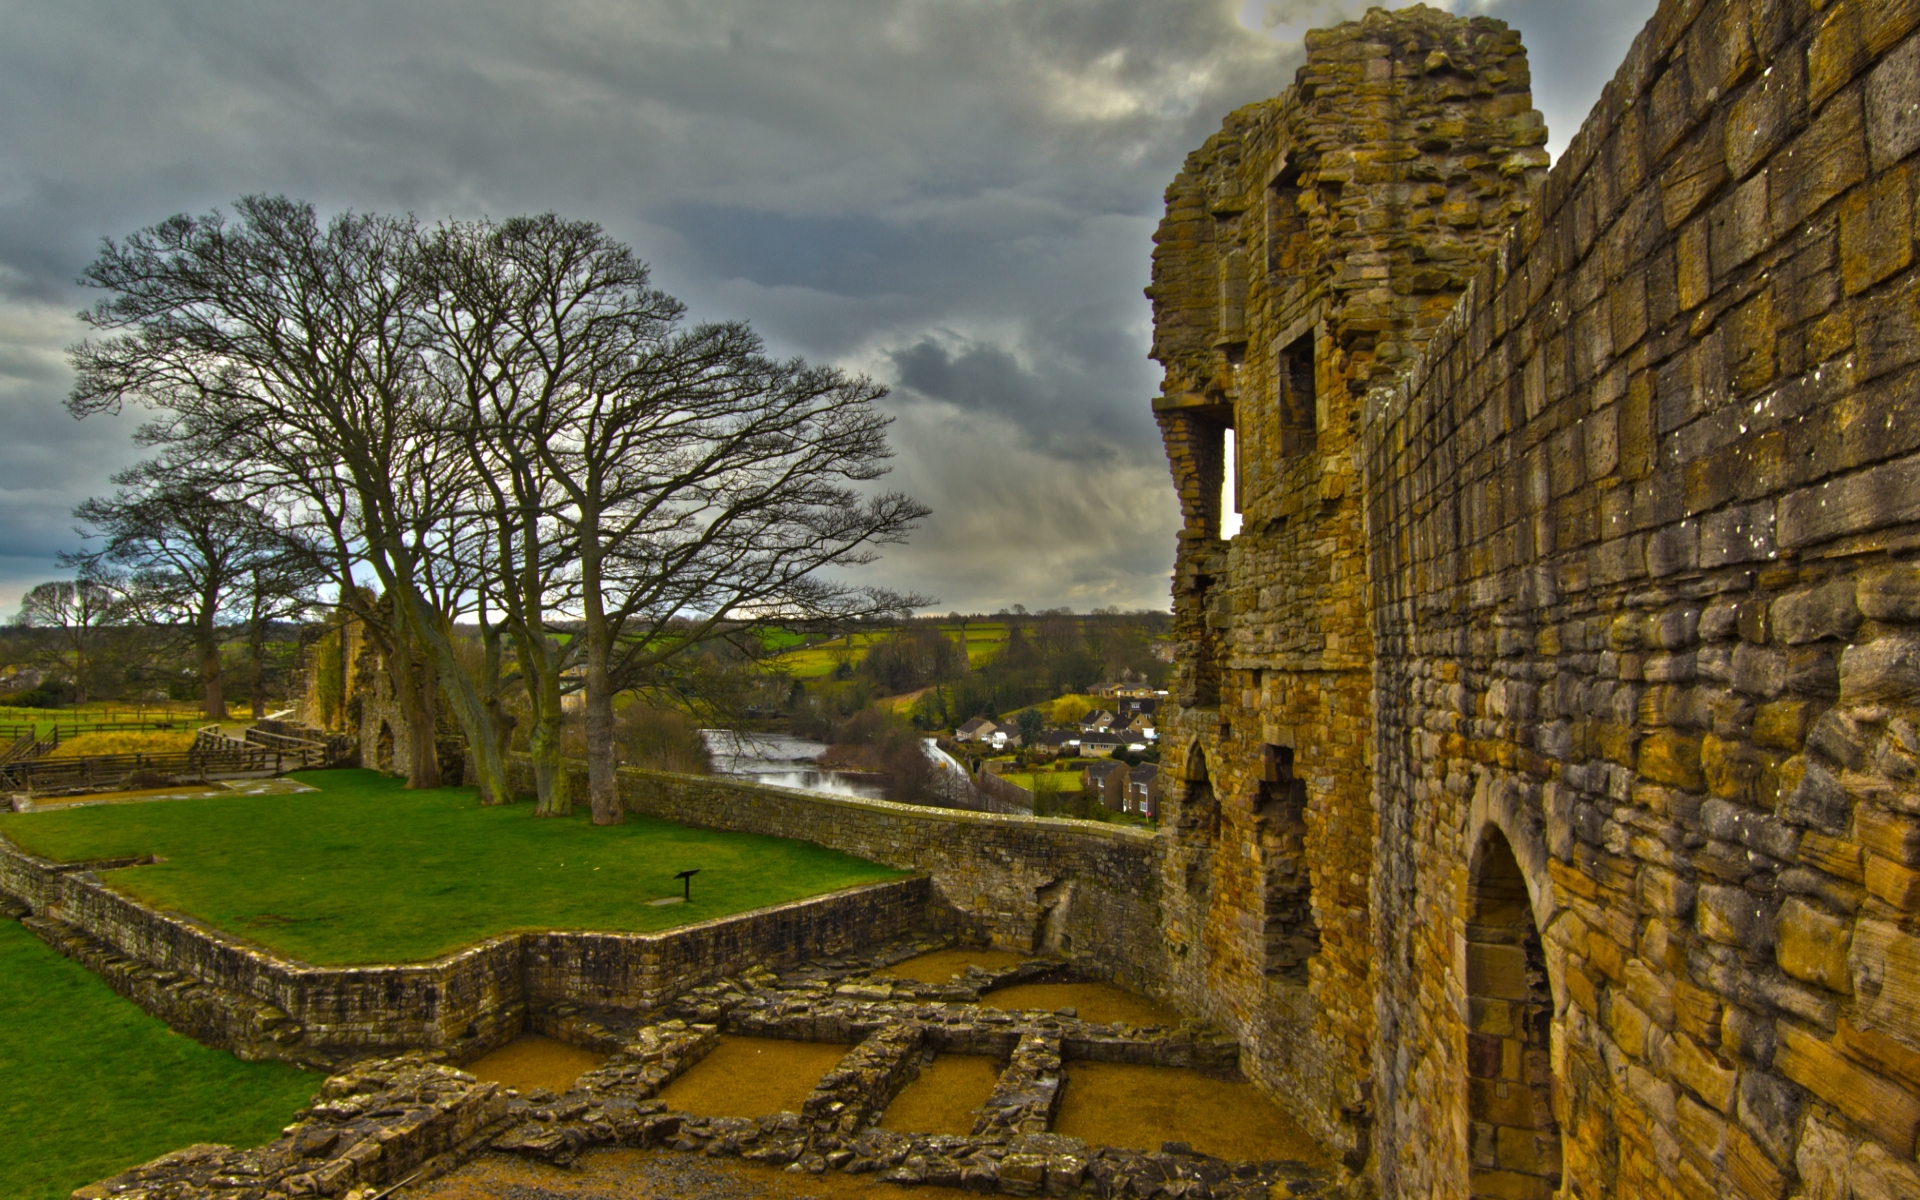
(387, 1120)
(237, 996)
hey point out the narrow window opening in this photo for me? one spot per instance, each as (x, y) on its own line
(1298, 396)
(1230, 486)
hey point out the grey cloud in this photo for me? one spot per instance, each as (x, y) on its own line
(954, 197)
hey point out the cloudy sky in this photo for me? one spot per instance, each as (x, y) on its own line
(954, 196)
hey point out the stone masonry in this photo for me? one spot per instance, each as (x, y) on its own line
(1570, 648)
(385, 1122)
(1309, 249)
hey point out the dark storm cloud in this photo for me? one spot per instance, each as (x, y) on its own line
(954, 197)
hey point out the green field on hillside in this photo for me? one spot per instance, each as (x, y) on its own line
(95, 1086)
(983, 640)
(364, 871)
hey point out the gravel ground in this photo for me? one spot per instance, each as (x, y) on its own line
(655, 1175)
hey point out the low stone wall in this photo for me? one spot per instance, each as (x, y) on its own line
(645, 970)
(1087, 891)
(230, 994)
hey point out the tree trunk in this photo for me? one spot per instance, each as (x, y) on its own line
(539, 664)
(603, 779)
(256, 658)
(417, 713)
(416, 709)
(214, 704)
(489, 766)
(490, 688)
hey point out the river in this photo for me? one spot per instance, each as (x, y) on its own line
(786, 761)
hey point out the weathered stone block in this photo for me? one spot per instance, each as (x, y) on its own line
(1734, 917)
(1836, 53)
(1893, 105)
(1811, 945)
(1763, 114)
(1672, 759)
(1893, 882)
(1628, 1025)
(1885, 670)
(1876, 231)
(1827, 611)
(1890, 593)
(1840, 737)
(1759, 671)
(1702, 1072)
(1885, 961)
(1824, 161)
(1740, 226)
(1886, 1108)
(1894, 836)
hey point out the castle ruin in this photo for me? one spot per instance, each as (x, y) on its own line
(1542, 781)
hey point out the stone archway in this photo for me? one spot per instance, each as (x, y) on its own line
(1513, 1141)
(383, 748)
(1195, 824)
(1279, 824)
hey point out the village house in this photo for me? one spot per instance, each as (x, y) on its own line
(1100, 742)
(1143, 791)
(1108, 781)
(978, 729)
(1057, 742)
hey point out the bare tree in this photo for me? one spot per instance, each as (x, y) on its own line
(503, 418)
(193, 559)
(294, 347)
(674, 483)
(710, 488)
(76, 613)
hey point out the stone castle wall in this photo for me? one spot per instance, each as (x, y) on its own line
(1309, 248)
(1624, 543)
(1647, 611)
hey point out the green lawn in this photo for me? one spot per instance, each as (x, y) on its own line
(1063, 781)
(94, 1086)
(364, 871)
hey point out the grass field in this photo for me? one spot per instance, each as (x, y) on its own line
(156, 741)
(94, 1085)
(364, 871)
(983, 640)
(1062, 782)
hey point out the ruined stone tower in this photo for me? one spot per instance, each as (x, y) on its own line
(1309, 249)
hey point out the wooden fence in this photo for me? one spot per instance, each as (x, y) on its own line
(24, 767)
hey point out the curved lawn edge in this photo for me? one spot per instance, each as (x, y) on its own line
(95, 1085)
(366, 873)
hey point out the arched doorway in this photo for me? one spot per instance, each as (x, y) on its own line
(1195, 823)
(383, 748)
(1513, 1140)
(1279, 824)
